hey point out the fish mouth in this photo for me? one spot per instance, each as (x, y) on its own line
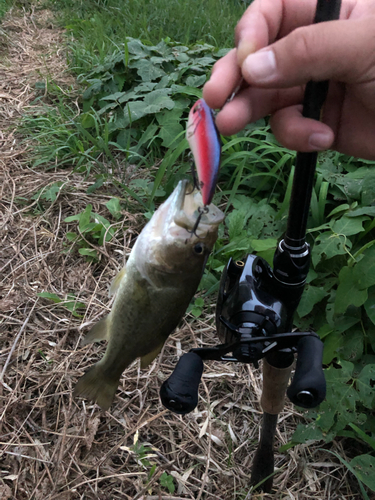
(187, 207)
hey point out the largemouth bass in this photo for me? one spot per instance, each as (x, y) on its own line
(204, 141)
(153, 290)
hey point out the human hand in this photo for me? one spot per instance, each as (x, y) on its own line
(278, 52)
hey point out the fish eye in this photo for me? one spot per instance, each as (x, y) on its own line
(198, 248)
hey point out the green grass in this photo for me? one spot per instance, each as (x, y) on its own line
(4, 7)
(100, 27)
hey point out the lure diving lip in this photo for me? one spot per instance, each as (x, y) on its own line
(204, 142)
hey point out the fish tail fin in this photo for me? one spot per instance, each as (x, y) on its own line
(95, 386)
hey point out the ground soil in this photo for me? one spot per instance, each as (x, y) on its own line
(54, 447)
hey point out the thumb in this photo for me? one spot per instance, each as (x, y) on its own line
(337, 50)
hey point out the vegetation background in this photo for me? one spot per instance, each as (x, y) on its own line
(97, 143)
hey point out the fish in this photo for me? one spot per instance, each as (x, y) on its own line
(153, 290)
(204, 141)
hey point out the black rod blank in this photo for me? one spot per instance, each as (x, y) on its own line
(315, 95)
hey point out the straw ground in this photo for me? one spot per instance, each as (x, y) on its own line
(53, 447)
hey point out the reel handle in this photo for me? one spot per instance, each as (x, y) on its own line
(179, 393)
(308, 387)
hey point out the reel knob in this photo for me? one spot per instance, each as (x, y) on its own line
(179, 393)
(308, 387)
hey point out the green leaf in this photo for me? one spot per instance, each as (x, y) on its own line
(330, 245)
(107, 232)
(114, 207)
(71, 236)
(170, 126)
(184, 89)
(195, 80)
(347, 292)
(365, 383)
(84, 217)
(262, 245)
(369, 440)
(311, 296)
(51, 296)
(72, 218)
(353, 471)
(87, 120)
(196, 311)
(364, 467)
(52, 192)
(40, 85)
(362, 211)
(89, 252)
(132, 112)
(368, 189)
(341, 208)
(149, 134)
(235, 223)
(147, 70)
(364, 270)
(332, 344)
(136, 47)
(157, 100)
(370, 304)
(151, 472)
(304, 433)
(167, 482)
(96, 185)
(352, 347)
(348, 226)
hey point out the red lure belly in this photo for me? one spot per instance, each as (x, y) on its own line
(204, 142)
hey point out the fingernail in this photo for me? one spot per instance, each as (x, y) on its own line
(261, 67)
(245, 48)
(320, 140)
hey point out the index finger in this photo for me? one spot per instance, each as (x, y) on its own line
(265, 21)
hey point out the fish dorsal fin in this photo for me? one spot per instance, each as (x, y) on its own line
(116, 282)
(149, 358)
(98, 332)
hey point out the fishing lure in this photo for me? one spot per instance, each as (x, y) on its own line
(204, 142)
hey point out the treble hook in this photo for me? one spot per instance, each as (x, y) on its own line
(202, 211)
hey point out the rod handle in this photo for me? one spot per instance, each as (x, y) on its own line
(179, 393)
(308, 387)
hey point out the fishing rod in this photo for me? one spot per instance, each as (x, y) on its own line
(255, 309)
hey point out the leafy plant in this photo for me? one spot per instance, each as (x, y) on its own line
(93, 231)
(167, 482)
(70, 302)
(143, 452)
(49, 193)
(145, 92)
(339, 303)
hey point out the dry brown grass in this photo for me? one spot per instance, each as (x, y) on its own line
(52, 447)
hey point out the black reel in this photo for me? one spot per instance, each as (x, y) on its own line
(254, 316)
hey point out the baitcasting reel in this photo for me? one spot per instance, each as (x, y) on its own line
(254, 317)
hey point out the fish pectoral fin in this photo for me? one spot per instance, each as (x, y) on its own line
(98, 332)
(116, 282)
(148, 358)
